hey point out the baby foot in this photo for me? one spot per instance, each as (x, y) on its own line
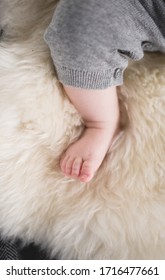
(83, 158)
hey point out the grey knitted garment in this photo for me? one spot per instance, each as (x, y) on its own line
(91, 41)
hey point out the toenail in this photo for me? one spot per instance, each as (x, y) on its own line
(84, 177)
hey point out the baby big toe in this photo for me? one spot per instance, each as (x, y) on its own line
(86, 172)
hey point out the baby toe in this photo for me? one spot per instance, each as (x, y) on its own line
(63, 162)
(68, 166)
(76, 167)
(86, 173)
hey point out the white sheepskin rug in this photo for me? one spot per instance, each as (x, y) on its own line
(120, 214)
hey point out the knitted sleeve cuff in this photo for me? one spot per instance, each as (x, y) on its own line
(89, 80)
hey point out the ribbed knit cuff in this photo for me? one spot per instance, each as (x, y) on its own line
(89, 80)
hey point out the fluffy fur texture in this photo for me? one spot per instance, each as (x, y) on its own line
(120, 213)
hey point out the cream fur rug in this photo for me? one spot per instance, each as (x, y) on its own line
(120, 214)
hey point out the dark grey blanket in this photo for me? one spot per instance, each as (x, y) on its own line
(13, 250)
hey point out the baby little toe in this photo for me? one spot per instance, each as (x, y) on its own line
(63, 162)
(68, 166)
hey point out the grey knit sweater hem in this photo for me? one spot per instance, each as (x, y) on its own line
(87, 80)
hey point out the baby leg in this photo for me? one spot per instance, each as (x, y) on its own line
(100, 112)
